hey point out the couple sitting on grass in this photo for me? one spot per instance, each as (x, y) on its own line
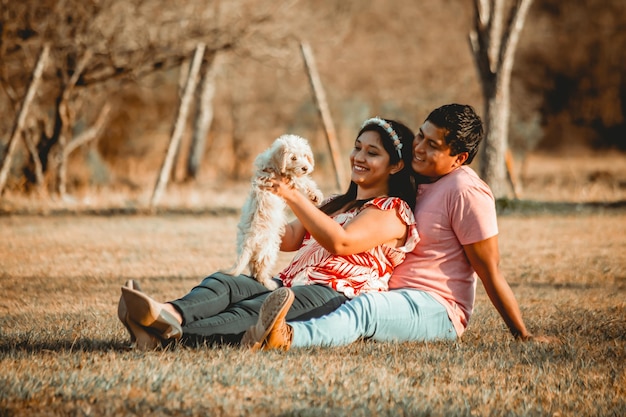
(395, 258)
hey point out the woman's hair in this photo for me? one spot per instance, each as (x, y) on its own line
(463, 128)
(397, 139)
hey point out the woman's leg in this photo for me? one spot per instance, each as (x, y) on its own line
(312, 301)
(398, 315)
(215, 294)
(229, 326)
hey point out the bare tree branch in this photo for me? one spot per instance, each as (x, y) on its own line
(495, 35)
(90, 134)
(519, 13)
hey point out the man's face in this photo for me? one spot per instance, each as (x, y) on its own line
(431, 154)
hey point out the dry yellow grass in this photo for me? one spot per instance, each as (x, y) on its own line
(63, 351)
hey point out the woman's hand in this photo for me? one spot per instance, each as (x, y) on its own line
(279, 185)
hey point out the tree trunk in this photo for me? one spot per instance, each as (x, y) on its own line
(322, 108)
(37, 166)
(203, 119)
(61, 159)
(493, 42)
(179, 126)
(67, 115)
(493, 151)
(21, 115)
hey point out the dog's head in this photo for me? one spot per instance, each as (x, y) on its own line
(289, 155)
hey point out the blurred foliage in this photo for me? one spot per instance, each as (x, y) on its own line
(573, 62)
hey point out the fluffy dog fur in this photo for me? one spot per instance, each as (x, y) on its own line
(263, 218)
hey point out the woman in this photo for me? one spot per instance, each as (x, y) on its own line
(349, 245)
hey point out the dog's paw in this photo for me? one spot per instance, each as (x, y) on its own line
(316, 196)
(263, 181)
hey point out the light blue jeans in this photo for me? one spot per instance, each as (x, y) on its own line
(398, 315)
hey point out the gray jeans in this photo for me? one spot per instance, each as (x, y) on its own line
(222, 307)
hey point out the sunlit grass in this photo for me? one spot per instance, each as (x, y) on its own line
(63, 351)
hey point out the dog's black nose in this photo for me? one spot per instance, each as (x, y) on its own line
(305, 169)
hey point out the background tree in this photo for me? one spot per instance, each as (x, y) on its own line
(497, 27)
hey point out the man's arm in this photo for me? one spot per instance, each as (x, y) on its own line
(484, 256)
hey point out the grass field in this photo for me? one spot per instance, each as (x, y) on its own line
(63, 351)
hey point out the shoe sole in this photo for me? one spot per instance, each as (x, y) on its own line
(269, 319)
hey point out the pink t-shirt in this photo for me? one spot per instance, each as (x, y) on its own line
(456, 210)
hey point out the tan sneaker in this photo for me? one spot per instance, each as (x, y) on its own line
(271, 330)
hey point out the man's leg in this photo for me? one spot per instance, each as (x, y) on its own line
(398, 315)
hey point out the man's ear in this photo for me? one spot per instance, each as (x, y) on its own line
(460, 159)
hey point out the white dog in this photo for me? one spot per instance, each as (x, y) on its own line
(263, 219)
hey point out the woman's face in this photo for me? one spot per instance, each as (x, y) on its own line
(370, 162)
(431, 153)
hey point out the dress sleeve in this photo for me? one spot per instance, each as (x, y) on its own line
(406, 215)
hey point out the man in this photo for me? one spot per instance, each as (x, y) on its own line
(433, 290)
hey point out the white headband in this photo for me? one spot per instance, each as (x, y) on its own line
(387, 126)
